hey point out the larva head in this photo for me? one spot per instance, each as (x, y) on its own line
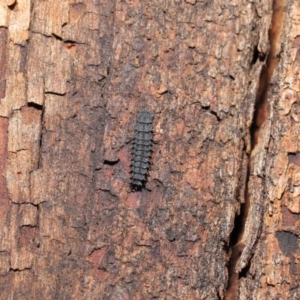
(144, 117)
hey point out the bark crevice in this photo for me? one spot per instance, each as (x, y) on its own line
(259, 117)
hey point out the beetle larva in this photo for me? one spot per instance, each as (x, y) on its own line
(141, 151)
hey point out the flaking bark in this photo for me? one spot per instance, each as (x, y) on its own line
(73, 77)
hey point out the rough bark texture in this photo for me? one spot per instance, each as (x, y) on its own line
(274, 271)
(73, 76)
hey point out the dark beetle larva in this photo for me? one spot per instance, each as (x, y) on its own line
(141, 151)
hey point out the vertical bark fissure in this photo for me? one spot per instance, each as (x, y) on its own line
(42, 109)
(3, 60)
(259, 117)
(39, 163)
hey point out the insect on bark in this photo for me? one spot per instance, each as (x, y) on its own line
(141, 150)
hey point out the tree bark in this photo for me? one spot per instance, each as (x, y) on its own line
(274, 270)
(218, 216)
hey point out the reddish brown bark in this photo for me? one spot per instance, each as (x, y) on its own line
(73, 77)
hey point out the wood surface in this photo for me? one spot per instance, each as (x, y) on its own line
(219, 215)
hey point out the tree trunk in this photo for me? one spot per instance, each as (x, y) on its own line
(218, 217)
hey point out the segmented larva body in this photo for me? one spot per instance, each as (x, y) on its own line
(142, 148)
